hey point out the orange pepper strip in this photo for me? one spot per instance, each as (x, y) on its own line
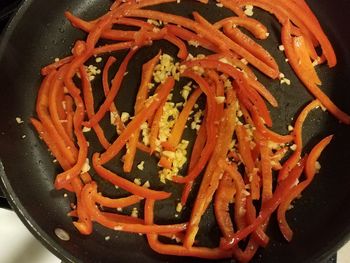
(89, 105)
(251, 79)
(282, 190)
(104, 22)
(233, 7)
(183, 53)
(240, 196)
(307, 9)
(312, 87)
(190, 36)
(310, 172)
(253, 244)
(52, 144)
(105, 83)
(277, 157)
(267, 133)
(266, 167)
(241, 211)
(125, 184)
(298, 129)
(113, 47)
(78, 22)
(64, 178)
(165, 162)
(214, 80)
(314, 27)
(309, 45)
(134, 22)
(82, 52)
(223, 197)
(212, 175)
(116, 83)
(257, 102)
(259, 237)
(302, 54)
(84, 223)
(70, 114)
(207, 31)
(155, 127)
(109, 34)
(240, 80)
(150, 107)
(234, 61)
(141, 36)
(176, 250)
(123, 218)
(43, 114)
(281, 14)
(238, 48)
(214, 64)
(263, 91)
(113, 109)
(219, 87)
(59, 104)
(96, 215)
(228, 130)
(142, 94)
(250, 45)
(135, 220)
(178, 129)
(47, 69)
(178, 20)
(116, 4)
(247, 159)
(116, 203)
(195, 155)
(211, 131)
(86, 178)
(252, 25)
(55, 86)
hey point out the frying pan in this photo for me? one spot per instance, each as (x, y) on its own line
(38, 33)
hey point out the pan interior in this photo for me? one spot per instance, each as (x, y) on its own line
(35, 37)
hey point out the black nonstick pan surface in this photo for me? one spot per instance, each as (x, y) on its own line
(39, 33)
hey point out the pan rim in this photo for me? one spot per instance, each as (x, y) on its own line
(5, 185)
(51, 244)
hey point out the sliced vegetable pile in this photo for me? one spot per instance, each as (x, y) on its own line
(235, 148)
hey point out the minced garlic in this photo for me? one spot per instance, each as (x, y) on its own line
(137, 181)
(19, 120)
(140, 166)
(125, 117)
(193, 43)
(179, 207)
(86, 166)
(293, 147)
(248, 10)
(178, 162)
(166, 68)
(220, 99)
(86, 129)
(145, 131)
(186, 90)
(134, 212)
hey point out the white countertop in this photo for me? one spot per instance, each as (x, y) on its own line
(19, 246)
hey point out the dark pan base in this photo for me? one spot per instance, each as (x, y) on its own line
(39, 33)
